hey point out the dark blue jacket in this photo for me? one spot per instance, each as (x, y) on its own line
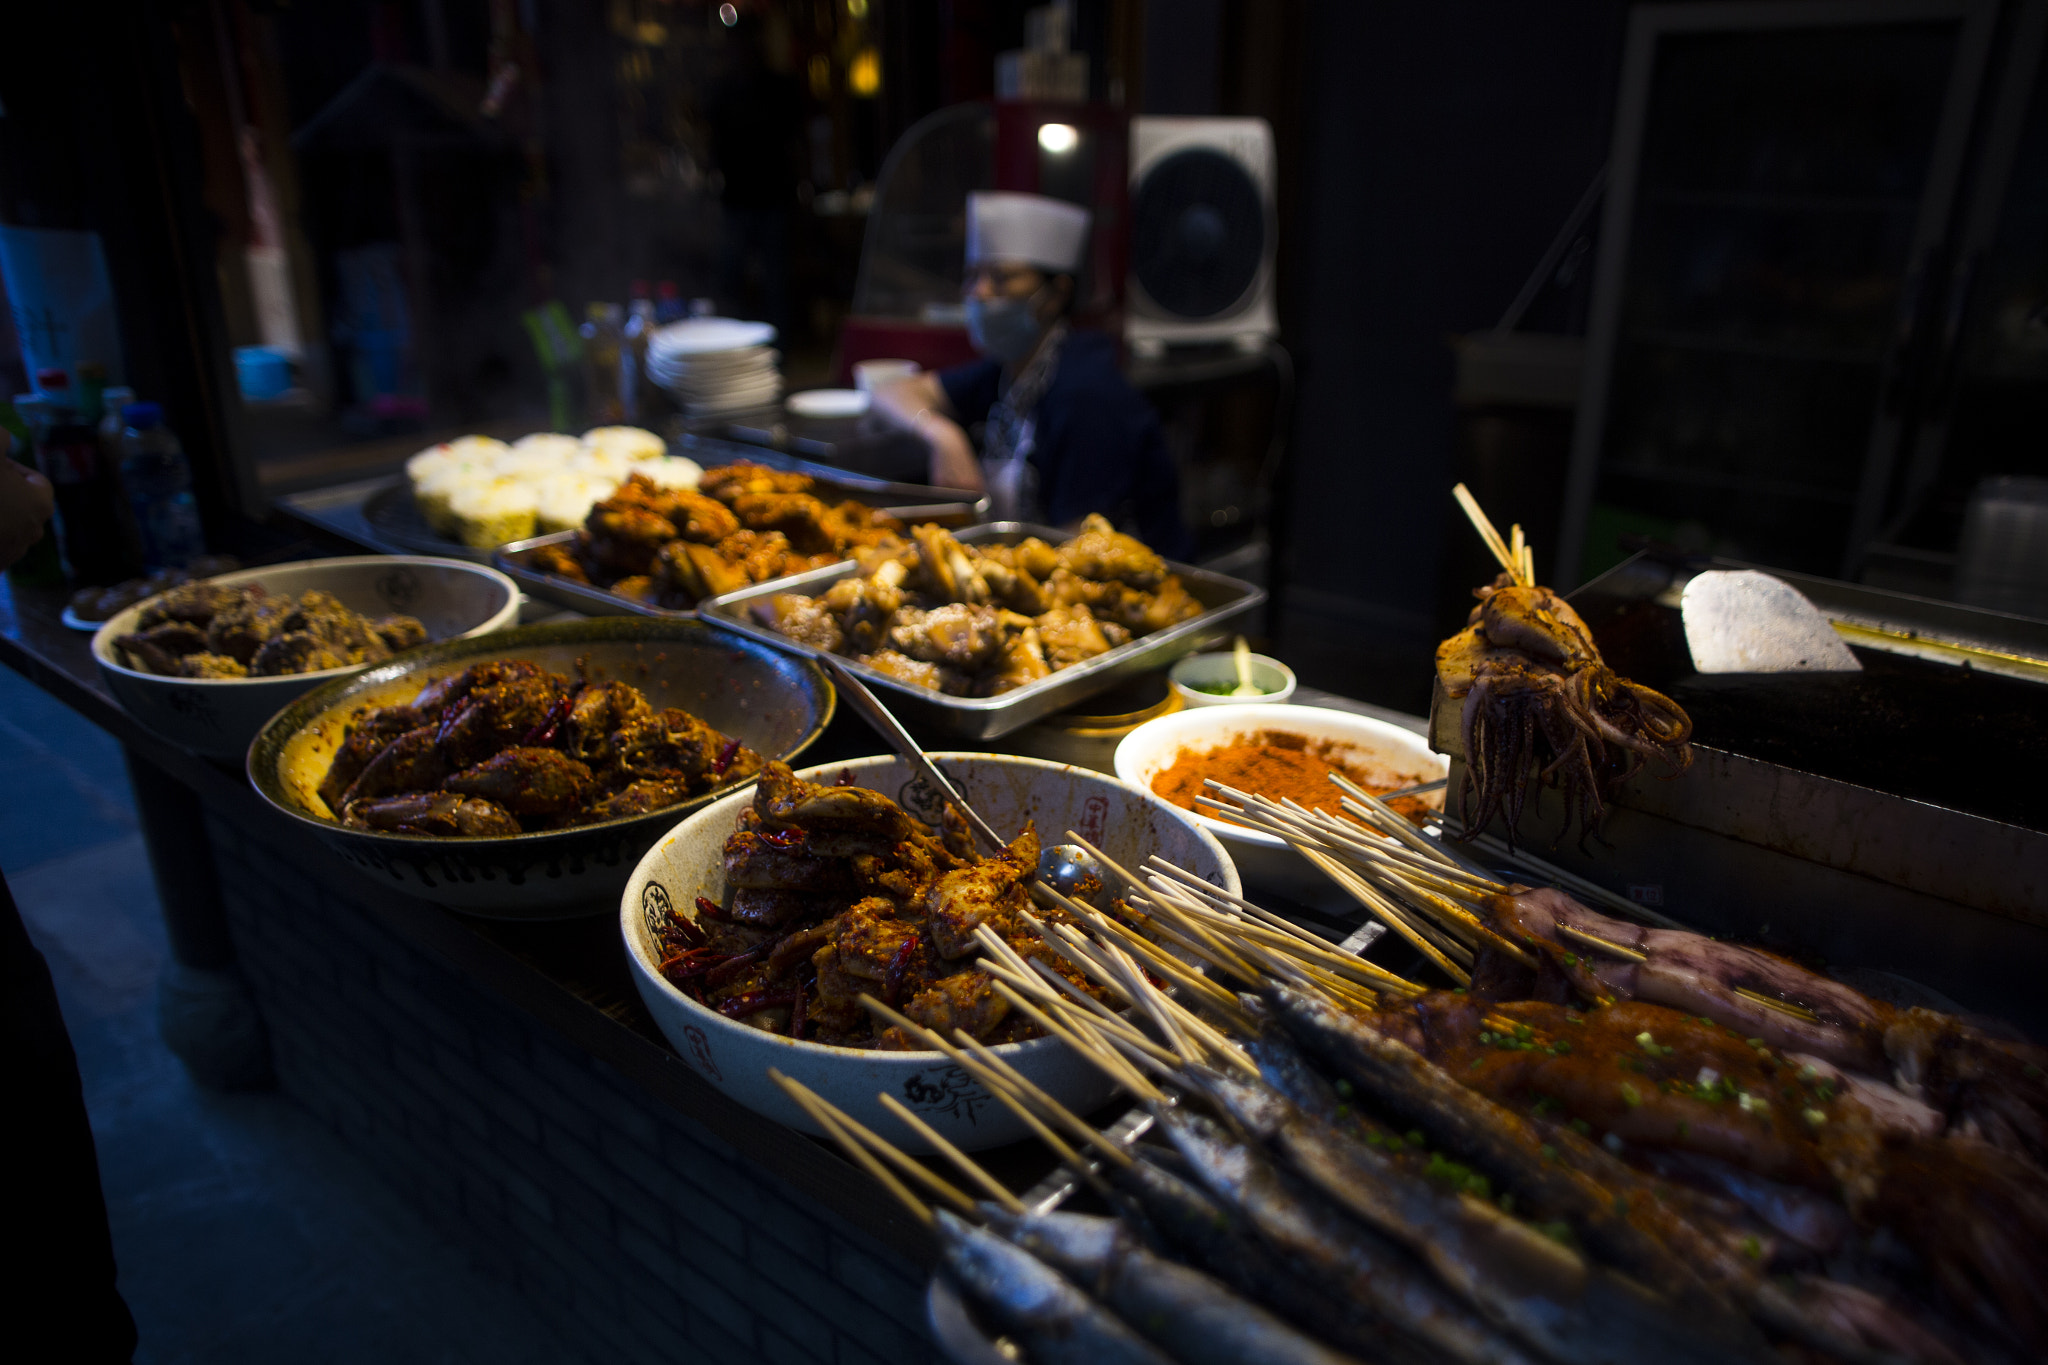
(1097, 445)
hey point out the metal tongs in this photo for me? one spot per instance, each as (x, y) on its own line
(1064, 867)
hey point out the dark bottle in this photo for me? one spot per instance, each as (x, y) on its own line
(41, 566)
(92, 532)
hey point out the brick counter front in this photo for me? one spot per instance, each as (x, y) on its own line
(638, 1231)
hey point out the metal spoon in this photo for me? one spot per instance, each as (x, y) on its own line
(1063, 867)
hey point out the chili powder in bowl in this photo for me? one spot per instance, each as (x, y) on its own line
(1280, 752)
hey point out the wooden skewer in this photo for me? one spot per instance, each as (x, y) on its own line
(1782, 1006)
(1052, 1106)
(822, 1116)
(1266, 925)
(968, 1167)
(1484, 526)
(1035, 987)
(1094, 1042)
(997, 1083)
(1528, 566)
(1391, 822)
(1620, 950)
(903, 1161)
(1516, 548)
(1384, 909)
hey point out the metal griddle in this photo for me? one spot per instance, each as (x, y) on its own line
(1887, 825)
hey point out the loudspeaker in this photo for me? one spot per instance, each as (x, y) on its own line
(1202, 233)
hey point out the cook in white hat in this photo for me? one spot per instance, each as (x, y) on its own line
(1061, 433)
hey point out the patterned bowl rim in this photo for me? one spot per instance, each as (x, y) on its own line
(103, 638)
(282, 727)
(629, 913)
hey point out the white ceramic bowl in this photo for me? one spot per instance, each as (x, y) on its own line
(1264, 860)
(218, 717)
(1007, 790)
(1274, 678)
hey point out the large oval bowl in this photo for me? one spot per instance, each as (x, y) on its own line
(217, 717)
(1266, 861)
(688, 863)
(772, 702)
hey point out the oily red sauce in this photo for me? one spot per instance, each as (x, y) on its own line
(1281, 765)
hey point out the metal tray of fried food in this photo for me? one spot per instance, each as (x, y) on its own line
(910, 503)
(1225, 601)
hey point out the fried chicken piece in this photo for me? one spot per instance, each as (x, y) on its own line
(695, 572)
(957, 634)
(853, 525)
(436, 696)
(1014, 588)
(675, 744)
(938, 677)
(635, 798)
(869, 937)
(245, 626)
(438, 813)
(769, 908)
(639, 587)
(298, 651)
(1101, 552)
(945, 570)
(729, 482)
(491, 718)
(761, 554)
(562, 562)
(782, 800)
(322, 616)
(799, 516)
(837, 1009)
(1071, 635)
(750, 861)
(203, 665)
(965, 1000)
(1021, 663)
(400, 632)
(413, 762)
(363, 742)
(803, 619)
(598, 712)
(864, 605)
(192, 603)
(526, 781)
(974, 895)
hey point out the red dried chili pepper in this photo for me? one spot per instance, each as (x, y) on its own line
(753, 1002)
(798, 1013)
(725, 757)
(710, 909)
(696, 967)
(899, 966)
(733, 966)
(450, 719)
(544, 733)
(783, 838)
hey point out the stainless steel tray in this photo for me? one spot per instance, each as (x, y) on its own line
(1225, 600)
(515, 561)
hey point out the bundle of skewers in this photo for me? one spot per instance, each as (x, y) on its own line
(1603, 1141)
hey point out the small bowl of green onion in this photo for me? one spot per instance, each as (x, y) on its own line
(1212, 679)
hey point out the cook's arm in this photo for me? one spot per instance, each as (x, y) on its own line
(918, 404)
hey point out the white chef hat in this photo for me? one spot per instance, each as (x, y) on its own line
(1048, 233)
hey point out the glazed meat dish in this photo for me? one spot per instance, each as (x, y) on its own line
(745, 524)
(835, 891)
(979, 620)
(204, 630)
(507, 747)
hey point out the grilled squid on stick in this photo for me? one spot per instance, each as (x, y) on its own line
(1536, 694)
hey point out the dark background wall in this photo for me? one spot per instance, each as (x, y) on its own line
(1441, 148)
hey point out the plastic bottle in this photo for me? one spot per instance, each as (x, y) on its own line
(634, 387)
(603, 341)
(41, 566)
(159, 483)
(111, 426)
(92, 534)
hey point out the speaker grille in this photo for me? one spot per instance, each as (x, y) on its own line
(1198, 233)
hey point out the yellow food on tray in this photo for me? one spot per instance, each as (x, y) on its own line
(484, 492)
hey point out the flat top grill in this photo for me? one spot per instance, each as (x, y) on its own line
(1950, 735)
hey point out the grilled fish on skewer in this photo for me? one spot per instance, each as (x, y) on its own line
(1183, 1310)
(1345, 1256)
(1058, 1323)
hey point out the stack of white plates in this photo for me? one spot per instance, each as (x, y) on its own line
(716, 365)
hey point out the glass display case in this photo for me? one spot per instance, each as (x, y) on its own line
(1783, 181)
